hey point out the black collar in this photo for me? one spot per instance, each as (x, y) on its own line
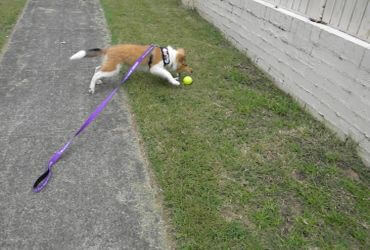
(165, 56)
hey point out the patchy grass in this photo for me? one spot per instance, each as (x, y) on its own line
(241, 165)
(9, 11)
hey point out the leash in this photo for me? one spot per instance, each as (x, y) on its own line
(43, 180)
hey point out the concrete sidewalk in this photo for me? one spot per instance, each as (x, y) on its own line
(100, 196)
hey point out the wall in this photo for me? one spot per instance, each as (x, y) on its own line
(326, 70)
(349, 16)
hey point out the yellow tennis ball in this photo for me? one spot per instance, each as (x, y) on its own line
(187, 80)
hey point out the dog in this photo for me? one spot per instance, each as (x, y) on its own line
(160, 62)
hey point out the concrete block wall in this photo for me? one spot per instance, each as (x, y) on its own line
(326, 70)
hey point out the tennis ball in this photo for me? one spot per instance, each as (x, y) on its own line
(187, 80)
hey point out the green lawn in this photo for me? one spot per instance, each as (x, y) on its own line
(241, 165)
(9, 11)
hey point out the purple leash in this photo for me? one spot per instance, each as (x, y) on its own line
(43, 180)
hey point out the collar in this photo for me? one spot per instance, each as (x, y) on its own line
(165, 56)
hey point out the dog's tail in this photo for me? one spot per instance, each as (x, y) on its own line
(87, 53)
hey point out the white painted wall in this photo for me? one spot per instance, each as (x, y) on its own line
(349, 16)
(326, 70)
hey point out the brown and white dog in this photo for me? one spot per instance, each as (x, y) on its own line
(160, 62)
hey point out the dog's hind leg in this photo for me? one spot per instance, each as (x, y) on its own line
(98, 81)
(99, 75)
(96, 77)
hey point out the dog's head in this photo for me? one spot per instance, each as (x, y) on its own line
(181, 62)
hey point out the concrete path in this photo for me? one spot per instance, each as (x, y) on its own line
(100, 196)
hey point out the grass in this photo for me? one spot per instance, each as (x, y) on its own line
(9, 12)
(241, 165)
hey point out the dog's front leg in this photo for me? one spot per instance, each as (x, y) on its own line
(159, 71)
(177, 76)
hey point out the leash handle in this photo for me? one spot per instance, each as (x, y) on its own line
(43, 180)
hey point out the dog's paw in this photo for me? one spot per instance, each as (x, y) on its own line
(98, 82)
(91, 90)
(177, 83)
(177, 78)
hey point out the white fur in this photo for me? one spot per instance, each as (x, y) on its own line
(100, 74)
(162, 72)
(79, 55)
(172, 53)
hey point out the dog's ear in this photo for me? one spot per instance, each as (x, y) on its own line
(181, 55)
(181, 51)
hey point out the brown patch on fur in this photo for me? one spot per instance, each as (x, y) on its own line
(127, 54)
(157, 56)
(181, 64)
